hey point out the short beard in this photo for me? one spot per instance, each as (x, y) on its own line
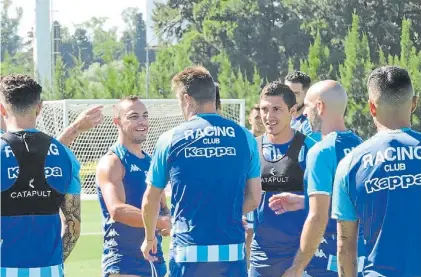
(138, 141)
(316, 125)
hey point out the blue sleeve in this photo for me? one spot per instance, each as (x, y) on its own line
(75, 186)
(342, 205)
(158, 171)
(254, 169)
(320, 170)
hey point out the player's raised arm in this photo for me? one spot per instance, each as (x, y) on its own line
(86, 120)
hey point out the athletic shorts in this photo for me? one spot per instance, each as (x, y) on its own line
(131, 264)
(208, 269)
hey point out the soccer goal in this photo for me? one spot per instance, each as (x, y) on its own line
(89, 147)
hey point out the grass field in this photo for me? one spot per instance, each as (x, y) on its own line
(85, 260)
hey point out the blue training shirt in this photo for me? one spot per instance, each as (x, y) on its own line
(208, 160)
(322, 161)
(324, 157)
(31, 244)
(277, 237)
(379, 184)
(301, 124)
(122, 242)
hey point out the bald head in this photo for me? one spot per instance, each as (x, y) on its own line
(331, 93)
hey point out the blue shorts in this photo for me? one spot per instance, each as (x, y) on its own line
(131, 263)
(209, 269)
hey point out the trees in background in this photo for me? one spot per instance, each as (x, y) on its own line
(244, 44)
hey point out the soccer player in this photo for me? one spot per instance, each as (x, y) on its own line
(283, 151)
(325, 105)
(213, 167)
(39, 177)
(255, 121)
(378, 185)
(299, 83)
(88, 119)
(121, 183)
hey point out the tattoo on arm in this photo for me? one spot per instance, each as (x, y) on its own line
(71, 211)
(347, 248)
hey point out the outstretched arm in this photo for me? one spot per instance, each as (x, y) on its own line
(110, 173)
(86, 120)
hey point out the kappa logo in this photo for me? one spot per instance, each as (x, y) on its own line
(320, 254)
(209, 152)
(134, 168)
(112, 233)
(272, 171)
(13, 172)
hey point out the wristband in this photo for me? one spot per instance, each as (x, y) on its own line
(149, 240)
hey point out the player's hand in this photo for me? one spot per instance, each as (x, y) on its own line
(286, 202)
(88, 119)
(148, 247)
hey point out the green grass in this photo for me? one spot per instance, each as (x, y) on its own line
(85, 260)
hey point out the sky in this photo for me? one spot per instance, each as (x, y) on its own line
(70, 12)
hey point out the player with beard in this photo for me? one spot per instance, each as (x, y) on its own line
(283, 152)
(120, 177)
(325, 105)
(378, 184)
(299, 83)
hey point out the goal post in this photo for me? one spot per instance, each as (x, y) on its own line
(90, 146)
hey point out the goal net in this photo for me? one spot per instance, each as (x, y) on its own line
(90, 146)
